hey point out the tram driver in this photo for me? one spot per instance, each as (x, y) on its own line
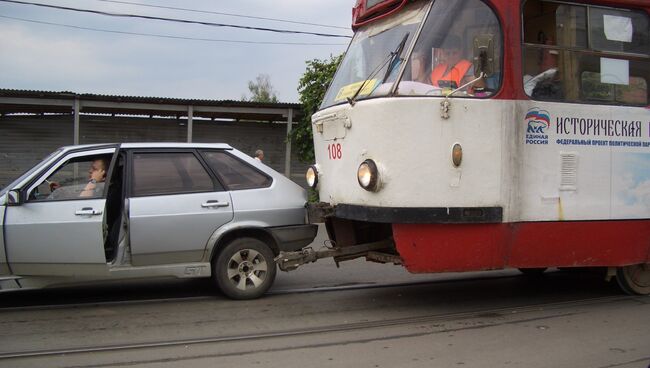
(449, 69)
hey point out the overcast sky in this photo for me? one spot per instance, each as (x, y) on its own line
(38, 56)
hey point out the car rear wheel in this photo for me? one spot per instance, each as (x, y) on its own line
(244, 269)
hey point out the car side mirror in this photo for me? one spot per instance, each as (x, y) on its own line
(13, 198)
(483, 55)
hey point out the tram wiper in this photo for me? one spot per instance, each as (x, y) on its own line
(395, 60)
(390, 59)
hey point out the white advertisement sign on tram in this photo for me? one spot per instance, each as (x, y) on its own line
(583, 131)
(591, 162)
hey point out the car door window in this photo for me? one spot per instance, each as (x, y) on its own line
(236, 174)
(78, 178)
(169, 173)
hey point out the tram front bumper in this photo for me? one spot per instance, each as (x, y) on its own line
(319, 212)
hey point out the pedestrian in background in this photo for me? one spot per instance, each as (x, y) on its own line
(259, 155)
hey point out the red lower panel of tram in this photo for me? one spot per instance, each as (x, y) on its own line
(467, 247)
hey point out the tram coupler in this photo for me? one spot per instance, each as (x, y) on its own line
(289, 261)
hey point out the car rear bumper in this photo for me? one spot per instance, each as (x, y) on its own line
(294, 237)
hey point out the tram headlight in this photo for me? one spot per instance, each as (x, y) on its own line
(456, 154)
(312, 176)
(368, 175)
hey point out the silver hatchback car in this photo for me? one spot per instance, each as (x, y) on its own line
(139, 210)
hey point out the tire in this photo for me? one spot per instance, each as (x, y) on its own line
(533, 272)
(634, 279)
(244, 269)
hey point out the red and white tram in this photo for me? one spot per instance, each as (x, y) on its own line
(464, 135)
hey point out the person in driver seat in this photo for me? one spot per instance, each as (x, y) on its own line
(93, 188)
(451, 70)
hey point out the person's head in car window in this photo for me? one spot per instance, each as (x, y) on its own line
(96, 178)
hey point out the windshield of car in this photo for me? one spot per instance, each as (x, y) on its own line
(29, 172)
(375, 55)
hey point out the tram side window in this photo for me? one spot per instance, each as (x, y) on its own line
(442, 56)
(578, 53)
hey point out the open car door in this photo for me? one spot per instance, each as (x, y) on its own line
(59, 232)
(4, 266)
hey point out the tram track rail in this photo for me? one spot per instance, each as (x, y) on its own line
(520, 311)
(319, 289)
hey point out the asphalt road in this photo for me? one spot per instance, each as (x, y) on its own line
(361, 315)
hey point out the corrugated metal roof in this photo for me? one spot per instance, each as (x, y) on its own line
(14, 101)
(140, 99)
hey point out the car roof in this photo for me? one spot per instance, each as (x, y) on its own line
(176, 145)
(150, 145)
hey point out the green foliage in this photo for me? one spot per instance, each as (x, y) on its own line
(312, 88)
(312, 196)
(261, 90)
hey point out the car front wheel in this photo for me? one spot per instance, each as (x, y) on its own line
(244, 269)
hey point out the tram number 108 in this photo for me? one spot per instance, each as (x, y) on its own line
(334, 151)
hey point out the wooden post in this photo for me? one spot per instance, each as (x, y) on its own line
(287, 157)
(190, 118)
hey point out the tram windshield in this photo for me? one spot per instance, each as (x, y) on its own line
(441, 59)
(371, 64)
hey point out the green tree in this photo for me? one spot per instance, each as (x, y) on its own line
(261, 90)
(312, 88)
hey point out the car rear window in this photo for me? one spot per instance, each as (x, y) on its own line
(236, 174)
(169, 173)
